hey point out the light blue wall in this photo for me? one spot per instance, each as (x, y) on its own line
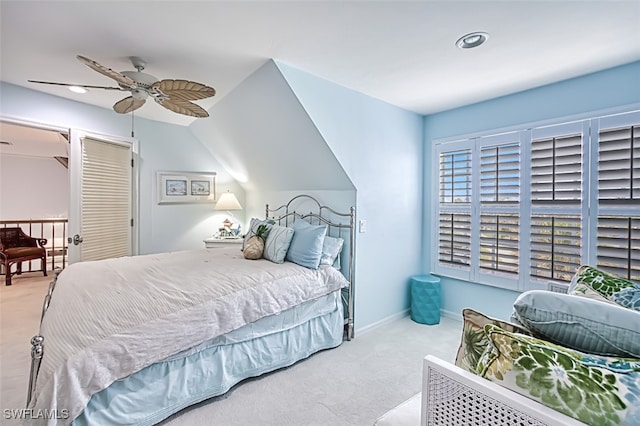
(380, 148)
(161, 147)
(602, 91)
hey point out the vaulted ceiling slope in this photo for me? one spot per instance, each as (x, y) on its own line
(401, 52)
(265, 139)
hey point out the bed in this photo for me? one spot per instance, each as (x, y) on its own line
(562, 359)
(134, 340)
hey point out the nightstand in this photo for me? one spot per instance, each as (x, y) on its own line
(213, 242)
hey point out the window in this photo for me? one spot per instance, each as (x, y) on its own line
(454, 235)
(521, 209)
(556, 201)
(618, 181)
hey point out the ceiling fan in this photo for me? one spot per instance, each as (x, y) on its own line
(175, 95)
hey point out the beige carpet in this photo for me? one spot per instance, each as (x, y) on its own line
(353, 384)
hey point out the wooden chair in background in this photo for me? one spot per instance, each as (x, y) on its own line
(17, 247)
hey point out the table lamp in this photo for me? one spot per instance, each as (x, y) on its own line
(228, 202)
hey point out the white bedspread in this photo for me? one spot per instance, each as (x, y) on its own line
(111, 318)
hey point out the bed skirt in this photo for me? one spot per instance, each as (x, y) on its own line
(211, 369)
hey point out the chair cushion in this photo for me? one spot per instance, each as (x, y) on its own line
(18, 252)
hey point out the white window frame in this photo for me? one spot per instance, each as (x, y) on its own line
(588, 126)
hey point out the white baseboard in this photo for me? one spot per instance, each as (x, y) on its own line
(451, 315)
(382, 322)
(402, 314)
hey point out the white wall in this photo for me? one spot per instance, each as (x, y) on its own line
(266, 139)
(33, 188)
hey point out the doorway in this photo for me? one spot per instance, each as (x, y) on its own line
(79, 152)
(34, 187)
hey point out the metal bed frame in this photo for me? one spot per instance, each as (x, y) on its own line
(335, 229)
(319, 213)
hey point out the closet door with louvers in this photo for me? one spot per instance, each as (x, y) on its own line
(102, 202)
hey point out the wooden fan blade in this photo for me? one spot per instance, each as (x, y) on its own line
(86, 86)
(121, 79)
(184, 90)
(183, 107)
(128, 104)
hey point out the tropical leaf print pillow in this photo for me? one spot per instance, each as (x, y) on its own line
(595, 390)
(474, 340)
(596, 284)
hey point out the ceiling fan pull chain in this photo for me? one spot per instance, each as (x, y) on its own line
(132, 123)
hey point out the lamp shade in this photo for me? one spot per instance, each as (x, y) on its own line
(228, 201)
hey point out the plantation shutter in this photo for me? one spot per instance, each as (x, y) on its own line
(455, 177)
(455, 238)
(618, 234)
(619, 246)
(619, 165)
(106, 200)
(555, 246)
(454, 217)
(499, 198)
(556, 170)
(556, 204)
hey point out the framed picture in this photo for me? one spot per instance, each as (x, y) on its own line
(184, 187)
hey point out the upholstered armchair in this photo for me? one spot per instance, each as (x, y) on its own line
(17, 247)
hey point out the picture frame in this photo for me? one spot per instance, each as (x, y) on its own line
(186, 187)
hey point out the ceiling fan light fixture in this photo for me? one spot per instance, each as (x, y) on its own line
(471, 40)
(78, 89)
(174, 95)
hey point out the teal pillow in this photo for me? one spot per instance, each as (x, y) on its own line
(580, 323)
(306, 245)
(277, 244)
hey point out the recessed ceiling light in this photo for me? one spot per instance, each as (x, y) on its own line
(472, 40)
(77, 89)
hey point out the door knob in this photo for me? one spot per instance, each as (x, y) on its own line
(77, 239)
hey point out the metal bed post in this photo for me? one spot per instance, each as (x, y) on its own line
(37, 342)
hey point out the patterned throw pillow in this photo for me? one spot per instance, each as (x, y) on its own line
(628, 297)
(277, 244)
(474, 340)
(595, 390)
(588, 280)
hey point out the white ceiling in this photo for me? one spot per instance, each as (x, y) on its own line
(31, 141)
(401, 52)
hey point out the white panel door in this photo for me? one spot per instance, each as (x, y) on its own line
(101, 215)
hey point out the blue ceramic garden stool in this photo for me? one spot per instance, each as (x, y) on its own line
(425, 299)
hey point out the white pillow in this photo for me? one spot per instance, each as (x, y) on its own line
(331, 249)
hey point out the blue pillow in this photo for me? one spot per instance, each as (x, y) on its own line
(579, 323)
(306, 245)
